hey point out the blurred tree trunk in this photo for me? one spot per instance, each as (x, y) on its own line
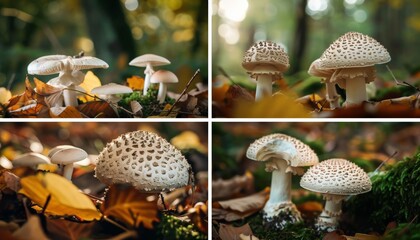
(300, 38)
(201, 20)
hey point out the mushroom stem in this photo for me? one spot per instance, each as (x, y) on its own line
(162, 92)
(355, 91)
(148, 74)
(328, 219)
(68, 171)
(332, 96)
(264, 86)
(70, 96)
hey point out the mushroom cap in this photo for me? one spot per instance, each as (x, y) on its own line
(315, 70)
(30, 159)
(352, 50)
(305, 155)
(152, 59)
(144, 160)
(111, 88)
(66, 154)
(163, 76)
(336, 176)
(266, 57)
(52, 64)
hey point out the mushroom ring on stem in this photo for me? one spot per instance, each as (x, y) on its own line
(266, 62)
(335, 179)
(283, 156)
(163, 77)
(66, 155)
(148, 61)
(68, 68)
(353, 56)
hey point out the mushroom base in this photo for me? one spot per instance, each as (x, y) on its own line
(280, 214)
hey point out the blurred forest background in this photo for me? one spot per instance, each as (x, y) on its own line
(115, 31)
(305, 28)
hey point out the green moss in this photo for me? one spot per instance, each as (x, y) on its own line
(172, 228)
(149, 102)
(394, 197)
(404, 232)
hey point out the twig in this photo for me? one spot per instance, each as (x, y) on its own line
(11, 80)
(403, 83)
(224, 73)
(183, 92)
(46, 204)
(115, 223)
(408, 225)
(163, 201)
(383, 163)
(125, 235)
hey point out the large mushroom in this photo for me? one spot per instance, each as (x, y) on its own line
(332, 96)
(335, 179)
(148, 61)
(266, 62)
(68, 68)
(353, 57)
(163, 77)
(283, 155)
(144, 160)
(65, 156)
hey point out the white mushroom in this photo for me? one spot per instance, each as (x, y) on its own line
(143, 160)
(109, 91)
(148, 61)
(163, 77)
(66, 155)
(266, 62)
(353, 57)
(68, 68)
(332, 96)
(335, 179)
(30, 160)
(283, 155)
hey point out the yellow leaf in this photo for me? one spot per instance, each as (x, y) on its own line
(67, 112)
(188, 140)
(91, 81)
(66, 199)
(135, 83)
(5, 95)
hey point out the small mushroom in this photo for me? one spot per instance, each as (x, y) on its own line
(68, 68)
(66, 155)
(109, 91)
(332, 96)
(283, 155)
(163, 77)
(30, 160)
(148, 61)
(144, 160)
(266, 62)
(335, 179)
(353, 57)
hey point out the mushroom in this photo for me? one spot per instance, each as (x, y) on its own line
(353, 57)
(163, 77)
(265, 61)
(30, 160)
(332, 96)
(335, 179)
(66, 155)
(283, 155)
(148, 61)
(144, 160)
(68, 68)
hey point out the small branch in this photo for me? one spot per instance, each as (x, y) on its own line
(115, 223)
(125, 235)
(403, 83)
(383, 163)
(163, 201)
(184, 91)
(224, 73)
(46, 204)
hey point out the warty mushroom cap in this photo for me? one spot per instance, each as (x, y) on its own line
(152, 59)
(144, 160)
(266, 56)
(336, 176)
(66, 154)
(30, 159)
(163, 76)
(353, 50)
(52, 64)
(305, 155)
(111, 88)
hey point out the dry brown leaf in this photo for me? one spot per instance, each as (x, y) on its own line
(136, 83)
(310, 206)
(97, 109)
(9, 180)
(248, 237)
(63, 229)
(224, 189)
(130, 206)
(32, 228)
(333, 236)
(65, 112)
(239, 208)
(44, 89)
(236, 94)
(229, 232)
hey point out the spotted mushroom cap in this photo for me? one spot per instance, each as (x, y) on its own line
(305, 155)
(353, 50)
(314, 70)
(336, 176)
(265, 57)
(144, 160)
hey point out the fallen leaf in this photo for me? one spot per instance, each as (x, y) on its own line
(136, 108)
(188, 140)
(229, 232)
(65, 112)
(240, 208)
(237, 94)
(130, 206)
(97, 109)
(90, 82)
(9, 180)
(5, 95)
(247, 237)
(64, 229)
(66, 199)
(333, 236)
(310, 206)
(136, 83)
(45, 89)
(226, 188)
(32, 228)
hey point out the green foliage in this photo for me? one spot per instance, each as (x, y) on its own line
(394, 92)
(404, 232)
(394, 197)
(172, 228)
